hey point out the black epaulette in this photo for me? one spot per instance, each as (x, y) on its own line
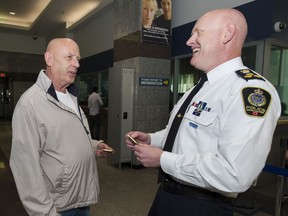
(248, 74)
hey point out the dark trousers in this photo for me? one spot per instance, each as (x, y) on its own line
(95, 126)
(84, 211)
(171, 204)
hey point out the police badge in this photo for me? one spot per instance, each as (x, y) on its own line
(256, 101)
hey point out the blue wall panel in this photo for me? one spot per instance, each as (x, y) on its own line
(97, 62)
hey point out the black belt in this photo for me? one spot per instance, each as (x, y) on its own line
(199, 193)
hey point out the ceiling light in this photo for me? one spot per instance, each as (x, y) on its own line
(24, 21)
(76, 15)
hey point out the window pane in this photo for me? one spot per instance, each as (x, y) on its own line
(278, 73)
(85, 82)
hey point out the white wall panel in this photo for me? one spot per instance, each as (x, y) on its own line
(96, 35)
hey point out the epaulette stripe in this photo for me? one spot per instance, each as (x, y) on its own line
(248, 74)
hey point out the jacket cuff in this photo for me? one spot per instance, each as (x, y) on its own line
(95, 144)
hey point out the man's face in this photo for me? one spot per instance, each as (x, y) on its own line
(65, 63)
(166, 6)
(205, 44)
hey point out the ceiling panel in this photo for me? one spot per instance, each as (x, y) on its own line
(44, 17)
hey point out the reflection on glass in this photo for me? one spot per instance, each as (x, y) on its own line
(278, 74)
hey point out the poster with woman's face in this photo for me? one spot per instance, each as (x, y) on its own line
(156, 21)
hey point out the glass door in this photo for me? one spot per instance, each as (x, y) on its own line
(5, 96)
(183, 77)
(277, 70)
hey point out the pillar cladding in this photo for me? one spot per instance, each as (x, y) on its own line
(150, 61)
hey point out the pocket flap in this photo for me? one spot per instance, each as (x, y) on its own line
(204, 119)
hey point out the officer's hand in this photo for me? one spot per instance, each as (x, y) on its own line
(135, 137)
(148, 155)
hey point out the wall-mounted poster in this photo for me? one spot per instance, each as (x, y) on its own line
(156, 21)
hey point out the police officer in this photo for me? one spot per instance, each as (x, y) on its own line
(226, 131)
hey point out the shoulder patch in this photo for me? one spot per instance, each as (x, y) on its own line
(256, 101)
(248, 74)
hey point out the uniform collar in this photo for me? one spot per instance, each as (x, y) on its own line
(226, 69)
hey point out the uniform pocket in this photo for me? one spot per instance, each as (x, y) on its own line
(205, 119)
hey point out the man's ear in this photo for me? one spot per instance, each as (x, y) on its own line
(229, 33)
(48, 58)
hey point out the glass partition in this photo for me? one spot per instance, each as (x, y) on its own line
(278, 73)
(183, 77)
(85, 82)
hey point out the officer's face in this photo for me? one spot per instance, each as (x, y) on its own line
(205, 43)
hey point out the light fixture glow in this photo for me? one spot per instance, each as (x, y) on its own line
(74, 16)
(24, 21)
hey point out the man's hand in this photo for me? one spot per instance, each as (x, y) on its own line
(148, 155)
(104, 150)
(138, 136)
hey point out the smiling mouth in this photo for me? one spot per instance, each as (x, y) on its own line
(195, 50)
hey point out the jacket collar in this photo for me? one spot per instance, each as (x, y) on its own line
(46, 84)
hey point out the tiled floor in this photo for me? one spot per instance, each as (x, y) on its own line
(125, 192)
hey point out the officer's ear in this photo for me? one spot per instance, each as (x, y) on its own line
(229, 32)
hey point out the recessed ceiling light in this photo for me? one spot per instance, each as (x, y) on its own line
(14, 19)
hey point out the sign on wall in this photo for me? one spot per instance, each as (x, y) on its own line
(156, 21)
(148, 81)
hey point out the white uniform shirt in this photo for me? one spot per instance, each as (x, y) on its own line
(221, 147)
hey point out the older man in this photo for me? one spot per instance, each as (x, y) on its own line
(53, 155)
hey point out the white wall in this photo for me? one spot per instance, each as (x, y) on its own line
(190, 10)
(96, 34)
(22, 44)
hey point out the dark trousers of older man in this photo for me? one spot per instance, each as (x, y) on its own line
(84, 211)
(95, 126)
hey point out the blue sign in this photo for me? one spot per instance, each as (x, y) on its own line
(146, 81)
